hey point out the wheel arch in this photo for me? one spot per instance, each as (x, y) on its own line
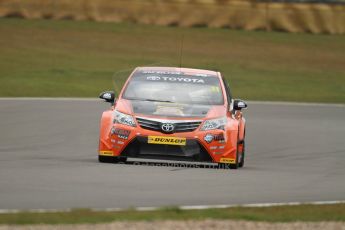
(105, 127)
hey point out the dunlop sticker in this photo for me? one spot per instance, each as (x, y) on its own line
(166, 140)
(106, 153)
(227, 160)
(215, 89)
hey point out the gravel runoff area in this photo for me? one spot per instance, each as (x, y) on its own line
(190, 224)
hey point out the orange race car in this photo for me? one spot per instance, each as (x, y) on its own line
(173, 114)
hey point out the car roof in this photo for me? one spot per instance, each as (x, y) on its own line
(178, 69)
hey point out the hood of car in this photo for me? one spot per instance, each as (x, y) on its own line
(167, 109)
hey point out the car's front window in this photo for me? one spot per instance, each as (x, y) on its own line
(176, 87)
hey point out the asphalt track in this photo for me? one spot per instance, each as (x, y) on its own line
(295, 153)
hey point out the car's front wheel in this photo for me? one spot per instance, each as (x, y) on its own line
(242, 155)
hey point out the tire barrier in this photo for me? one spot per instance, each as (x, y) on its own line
(235, 14)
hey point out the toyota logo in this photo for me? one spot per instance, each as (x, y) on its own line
(168, 127)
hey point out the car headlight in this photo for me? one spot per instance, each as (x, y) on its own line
(218, 123)
(124, 119)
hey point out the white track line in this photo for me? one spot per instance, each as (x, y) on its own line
(96, 99)
(184, 207)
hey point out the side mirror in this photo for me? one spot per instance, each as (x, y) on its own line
(108, 96)
(239, 104)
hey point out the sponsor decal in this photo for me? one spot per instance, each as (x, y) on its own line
(217, 152)
(219, 137)
(175, 79)
(113, 140)
(241, 104)
(215, 89)
(200, 75)
(175, 73)
(121, 133)
(222, 147)
(208, 138)
(120, 142)
(107, 96)
(153, 78)
(162, 72)
(213, 147)
(227, 160)
(106, 153)
(166, 140)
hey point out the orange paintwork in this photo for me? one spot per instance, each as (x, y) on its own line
(233, 133)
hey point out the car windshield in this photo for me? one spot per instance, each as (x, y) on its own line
(174, 87)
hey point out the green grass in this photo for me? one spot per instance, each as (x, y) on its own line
(312, 213)
(82, 58)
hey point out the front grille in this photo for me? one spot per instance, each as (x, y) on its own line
(192, 151)
(149, 124)
(187, 126)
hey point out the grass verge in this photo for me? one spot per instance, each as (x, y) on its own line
(310, 213)
(81, 58)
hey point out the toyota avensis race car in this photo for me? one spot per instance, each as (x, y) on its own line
(173, 114)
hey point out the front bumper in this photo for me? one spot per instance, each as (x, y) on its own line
(191, 151)
(216, 146)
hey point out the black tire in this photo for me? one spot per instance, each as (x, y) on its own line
(122, 159)
(243, 150)
(108, 159)
(242, 155)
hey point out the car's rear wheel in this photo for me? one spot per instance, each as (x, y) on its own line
(109, 159)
